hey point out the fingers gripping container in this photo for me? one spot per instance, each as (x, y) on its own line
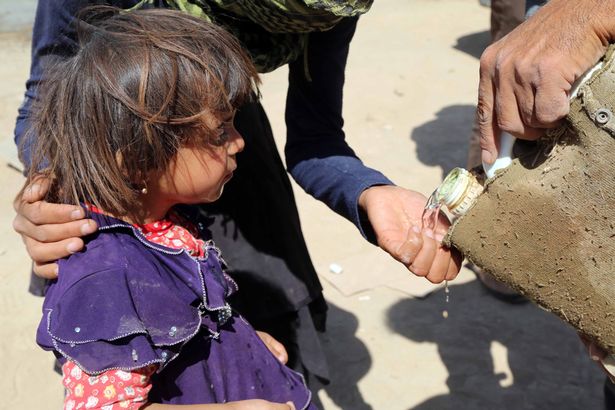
(545, 224)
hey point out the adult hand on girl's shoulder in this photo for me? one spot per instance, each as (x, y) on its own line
(396, 216)
(275, 347)
(49, 231)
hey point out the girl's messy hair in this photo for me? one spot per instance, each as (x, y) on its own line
(137, 89)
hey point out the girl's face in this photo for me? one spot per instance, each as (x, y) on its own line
(198, 174)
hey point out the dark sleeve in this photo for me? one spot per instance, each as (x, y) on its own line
(53, 38)
(317, 155)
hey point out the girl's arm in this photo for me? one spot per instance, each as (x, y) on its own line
(234, 405)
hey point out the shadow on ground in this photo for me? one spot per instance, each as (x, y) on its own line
(348, 359)
(473, 44)
(539, 361)
(444, 141)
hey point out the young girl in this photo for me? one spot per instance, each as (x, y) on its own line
(138, 121)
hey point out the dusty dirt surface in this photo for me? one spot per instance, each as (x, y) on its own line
(409, 103)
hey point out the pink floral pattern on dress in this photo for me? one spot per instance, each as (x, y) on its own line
(111, 390)
(169, 233)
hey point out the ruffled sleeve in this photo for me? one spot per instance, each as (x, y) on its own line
(127, 317)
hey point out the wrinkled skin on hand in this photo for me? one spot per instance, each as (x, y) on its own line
(525, 77)
(396, 214)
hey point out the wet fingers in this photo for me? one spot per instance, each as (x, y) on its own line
(408, 250)
(425, 257)
(455, 265)
(440, 265)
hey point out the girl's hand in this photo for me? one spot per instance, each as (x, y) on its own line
(232, 405)
(275, 347)
(49, 231)
(259, 405)
(396, 216)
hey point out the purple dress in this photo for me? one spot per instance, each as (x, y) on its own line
(125, 303)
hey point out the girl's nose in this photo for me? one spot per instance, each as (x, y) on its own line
(236, 142)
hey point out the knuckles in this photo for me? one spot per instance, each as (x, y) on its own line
(33, 212)
(550, 107)
(487, 60)
(435, 279)
(538, 100)
(419, 271)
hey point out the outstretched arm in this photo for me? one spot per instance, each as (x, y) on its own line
(323, 164)
(525, 77)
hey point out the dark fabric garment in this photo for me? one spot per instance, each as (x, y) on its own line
(125, 303)
(609, 395)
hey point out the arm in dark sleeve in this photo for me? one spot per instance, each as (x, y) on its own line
(53, 37)
(317, 155)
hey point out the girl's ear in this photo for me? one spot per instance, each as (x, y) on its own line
(137, 182)
(119, 159)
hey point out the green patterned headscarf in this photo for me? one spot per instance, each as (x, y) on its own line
(274, 32)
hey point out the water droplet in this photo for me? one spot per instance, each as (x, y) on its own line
(446, 298)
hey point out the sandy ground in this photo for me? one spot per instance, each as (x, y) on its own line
(411, 86)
